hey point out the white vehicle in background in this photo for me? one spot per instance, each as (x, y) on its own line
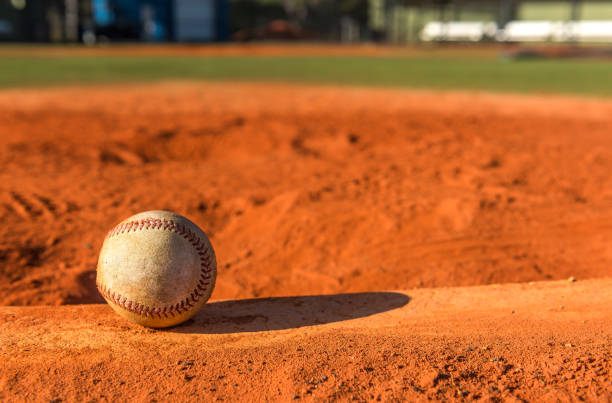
(589, 31)
(556, 31)
(458, 31)
(531, 31)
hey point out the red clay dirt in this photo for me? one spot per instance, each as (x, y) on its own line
(546, 342)
(259, 49)
(310, 190)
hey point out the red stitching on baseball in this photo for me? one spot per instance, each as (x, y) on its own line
(182, 306)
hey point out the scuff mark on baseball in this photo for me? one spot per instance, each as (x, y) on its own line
(156, 268)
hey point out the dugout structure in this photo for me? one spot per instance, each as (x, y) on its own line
(399, 21)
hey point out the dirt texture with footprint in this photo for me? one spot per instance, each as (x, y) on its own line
(310, 190)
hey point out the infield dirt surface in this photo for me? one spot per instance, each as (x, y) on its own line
(305, 191)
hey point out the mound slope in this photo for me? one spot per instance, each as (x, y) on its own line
(328, 196)
(307, 190)
(541, 342)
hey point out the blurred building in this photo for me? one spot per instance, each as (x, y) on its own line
(492, 20)
(395, 21)
(93, 21)
(30, 21)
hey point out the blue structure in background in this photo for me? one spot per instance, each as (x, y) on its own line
(223, 32)
(102, 13)
(157, 20)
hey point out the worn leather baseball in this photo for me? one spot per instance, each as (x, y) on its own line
(156, 268)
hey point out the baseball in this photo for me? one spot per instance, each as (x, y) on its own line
(156, 268)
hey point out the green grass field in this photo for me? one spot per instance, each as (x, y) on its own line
(435, 72)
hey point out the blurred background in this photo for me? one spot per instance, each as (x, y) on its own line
(390, 21)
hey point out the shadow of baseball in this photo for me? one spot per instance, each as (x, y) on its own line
(279, 313)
